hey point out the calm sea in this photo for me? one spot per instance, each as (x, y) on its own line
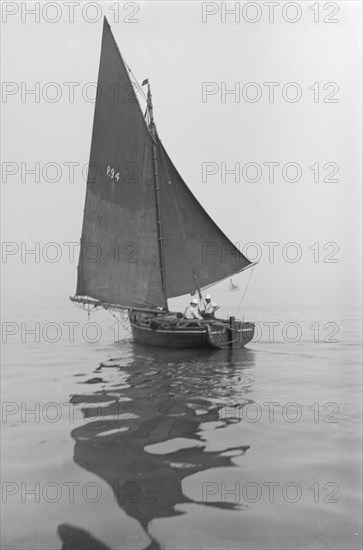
(112, 445)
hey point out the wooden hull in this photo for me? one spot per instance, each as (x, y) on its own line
(183, 334)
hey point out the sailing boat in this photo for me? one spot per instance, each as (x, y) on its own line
(233, 286)
(145, 237)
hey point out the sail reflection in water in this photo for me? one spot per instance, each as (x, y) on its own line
(160, 400)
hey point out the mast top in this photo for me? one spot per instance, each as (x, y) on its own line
(150, 109)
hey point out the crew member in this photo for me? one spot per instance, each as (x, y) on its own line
(192, 311)
(210, 308)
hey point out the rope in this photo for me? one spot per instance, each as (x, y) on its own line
(213, 339)
(248, 282)
(139, 88)
(123, 320)
(88, 308)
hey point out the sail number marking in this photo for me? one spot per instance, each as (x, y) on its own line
(126, 175)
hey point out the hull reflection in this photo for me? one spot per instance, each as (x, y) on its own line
(161, 397)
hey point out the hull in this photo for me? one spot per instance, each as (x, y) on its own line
(213, 334)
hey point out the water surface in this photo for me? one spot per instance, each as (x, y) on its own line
(113, 445)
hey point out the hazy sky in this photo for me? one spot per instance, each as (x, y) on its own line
(170, 44)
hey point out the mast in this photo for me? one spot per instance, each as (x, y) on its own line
(159, 224)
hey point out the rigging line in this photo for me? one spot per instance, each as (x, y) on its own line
(139, 88)
(88, 308)
(248, 282)
(181, 227)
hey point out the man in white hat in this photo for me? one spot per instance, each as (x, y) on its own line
(192, 310)
(210, 308)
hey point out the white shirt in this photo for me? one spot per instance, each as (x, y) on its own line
(210, 307)
(192, 313)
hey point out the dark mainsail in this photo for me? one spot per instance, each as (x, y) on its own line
(122, 266)
(123, 249)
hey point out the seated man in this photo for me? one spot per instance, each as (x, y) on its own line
(210, 308)
(192, 311)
